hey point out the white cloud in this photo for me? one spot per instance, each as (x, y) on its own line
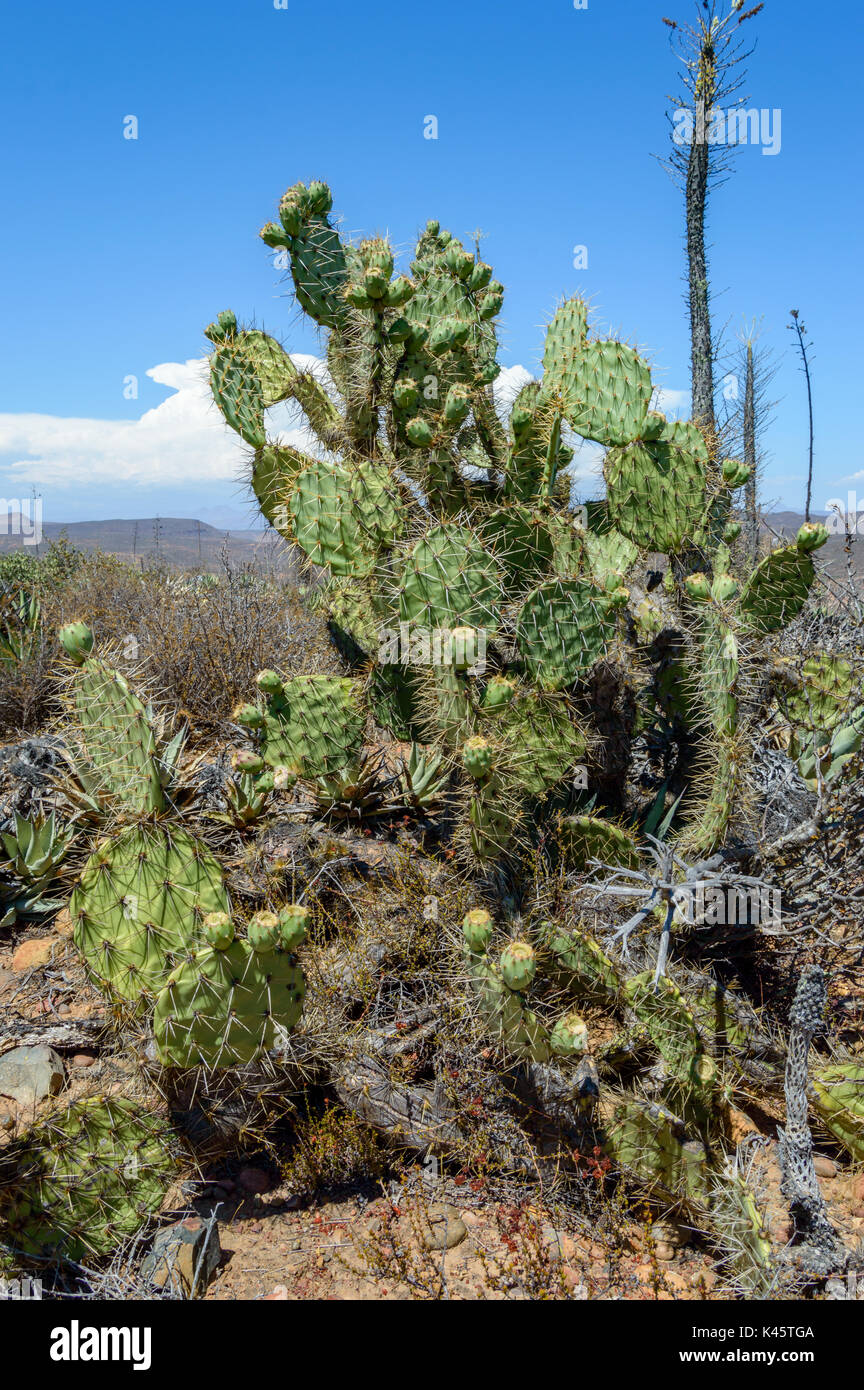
(675, 403)
(182, 441)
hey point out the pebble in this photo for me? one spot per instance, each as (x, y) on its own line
(30, 955)
(664, 1251)
(279, 1295)
(780, 1231)
(446, 1228)
(253, 1180)
(187, 1253)
(83, 1059)
(29, 1074)
(825, 1167)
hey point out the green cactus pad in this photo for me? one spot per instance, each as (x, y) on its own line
(116, 737)
(226, 1008)
(656, 492)
(584, 838)
(605, 390)
(343, 515)
(315, 728)
(542, 740)
(448, 580)
(816, 694)
(777, 589)
(238, 392)
(84, 1179)
(646, 1141)
(564, 628)
(838, 1099)
(140, 904)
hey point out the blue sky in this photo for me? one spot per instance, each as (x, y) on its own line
(118, 252)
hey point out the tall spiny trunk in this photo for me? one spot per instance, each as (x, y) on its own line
(701, 350)
(751, 522)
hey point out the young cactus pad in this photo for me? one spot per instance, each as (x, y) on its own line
(140, 903)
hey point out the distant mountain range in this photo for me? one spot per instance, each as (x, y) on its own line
(192, 544)
(177, 540)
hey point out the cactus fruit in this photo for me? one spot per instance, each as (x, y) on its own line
(76, 640)
(217, 930)
(293, 925)
(76, 1184)
(477, 929)
(518, 965)
(569, 1036)
(263, 932)
(139, 905)
(477, 756)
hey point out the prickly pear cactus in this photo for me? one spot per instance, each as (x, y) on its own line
(74, 1185)
(139, 906)
(431, 509)
(231, 1001)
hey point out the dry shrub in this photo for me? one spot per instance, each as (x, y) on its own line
(198, 644)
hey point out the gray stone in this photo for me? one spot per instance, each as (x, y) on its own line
(184, 1256)
(446, 1228)
(28, 1074)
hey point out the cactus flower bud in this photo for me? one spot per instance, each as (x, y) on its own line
(518, 965)
(293, 924)
(477, 929)
(77, 641)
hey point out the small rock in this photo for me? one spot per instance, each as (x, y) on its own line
(780, 1231)
(63, 924)
(64, 1009)
(858, 1190)
(83, 1059)
(446, 1228)
(7, 1119)
(254, 1180)
(186, 1254)
(279, 1295)
(664, 1251)
(824, 1167)
(574, 1282)
(740, 1125)
(33, 954)
(858, 1211)
(28, 1074)
(671, 1233)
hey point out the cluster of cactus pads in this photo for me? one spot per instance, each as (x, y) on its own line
(151, 912)
(662, 1085)
(478, 601)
